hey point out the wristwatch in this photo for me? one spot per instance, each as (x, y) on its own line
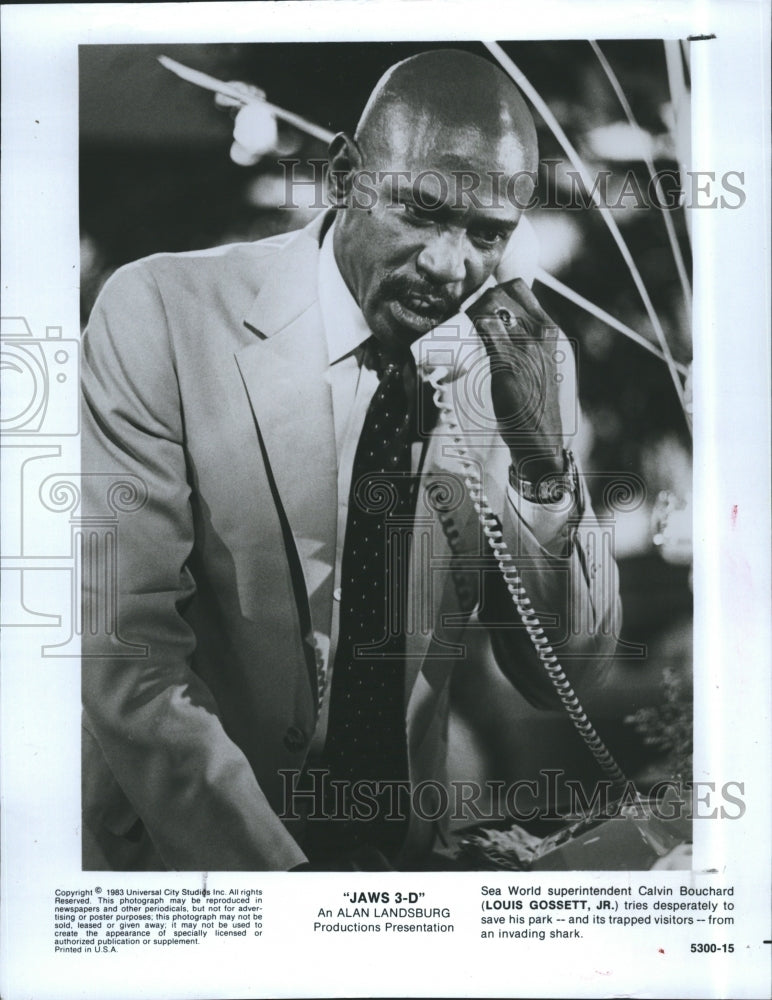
(552, 488)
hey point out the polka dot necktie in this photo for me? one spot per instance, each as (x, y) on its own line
(366, 736)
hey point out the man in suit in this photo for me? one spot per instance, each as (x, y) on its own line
(253, 392)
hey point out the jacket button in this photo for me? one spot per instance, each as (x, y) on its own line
(294, 739)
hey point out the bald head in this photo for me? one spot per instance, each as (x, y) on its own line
(430, 189)
(445, 92)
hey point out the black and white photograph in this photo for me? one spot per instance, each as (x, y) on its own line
(383, 517)
(327, 647)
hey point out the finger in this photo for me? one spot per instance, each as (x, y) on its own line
(517, 324)
(510, 347)
(494, 335)
(504, 324)
(522, 294)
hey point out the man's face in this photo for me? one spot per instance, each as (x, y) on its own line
(426, 221)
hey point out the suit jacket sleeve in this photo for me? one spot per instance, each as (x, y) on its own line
(154, 719)
(571, 581)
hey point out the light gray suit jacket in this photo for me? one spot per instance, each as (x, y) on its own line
(204, 379)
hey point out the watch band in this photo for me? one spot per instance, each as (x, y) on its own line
(550, 489)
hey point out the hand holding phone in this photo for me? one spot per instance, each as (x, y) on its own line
(525, 361)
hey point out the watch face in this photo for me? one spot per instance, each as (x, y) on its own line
(551, 489)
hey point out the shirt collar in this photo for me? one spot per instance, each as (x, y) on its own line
(344, 324)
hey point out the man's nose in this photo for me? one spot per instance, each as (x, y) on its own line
(442, 258)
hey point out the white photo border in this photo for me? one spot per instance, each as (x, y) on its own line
(40, 267)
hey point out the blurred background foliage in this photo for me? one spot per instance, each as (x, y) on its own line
(156, 176)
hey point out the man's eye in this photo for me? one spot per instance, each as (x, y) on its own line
(489, 238)
(416, 213)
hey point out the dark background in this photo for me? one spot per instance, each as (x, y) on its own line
(156, 175)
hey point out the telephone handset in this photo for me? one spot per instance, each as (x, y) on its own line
(439, 377)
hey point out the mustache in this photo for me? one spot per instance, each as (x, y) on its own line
(440, 301)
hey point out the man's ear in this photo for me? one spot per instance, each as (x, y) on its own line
(345, 159)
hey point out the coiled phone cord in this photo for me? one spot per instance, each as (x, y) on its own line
(492, 529)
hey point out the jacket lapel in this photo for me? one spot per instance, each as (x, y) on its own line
(284, 371)
(285, 376)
